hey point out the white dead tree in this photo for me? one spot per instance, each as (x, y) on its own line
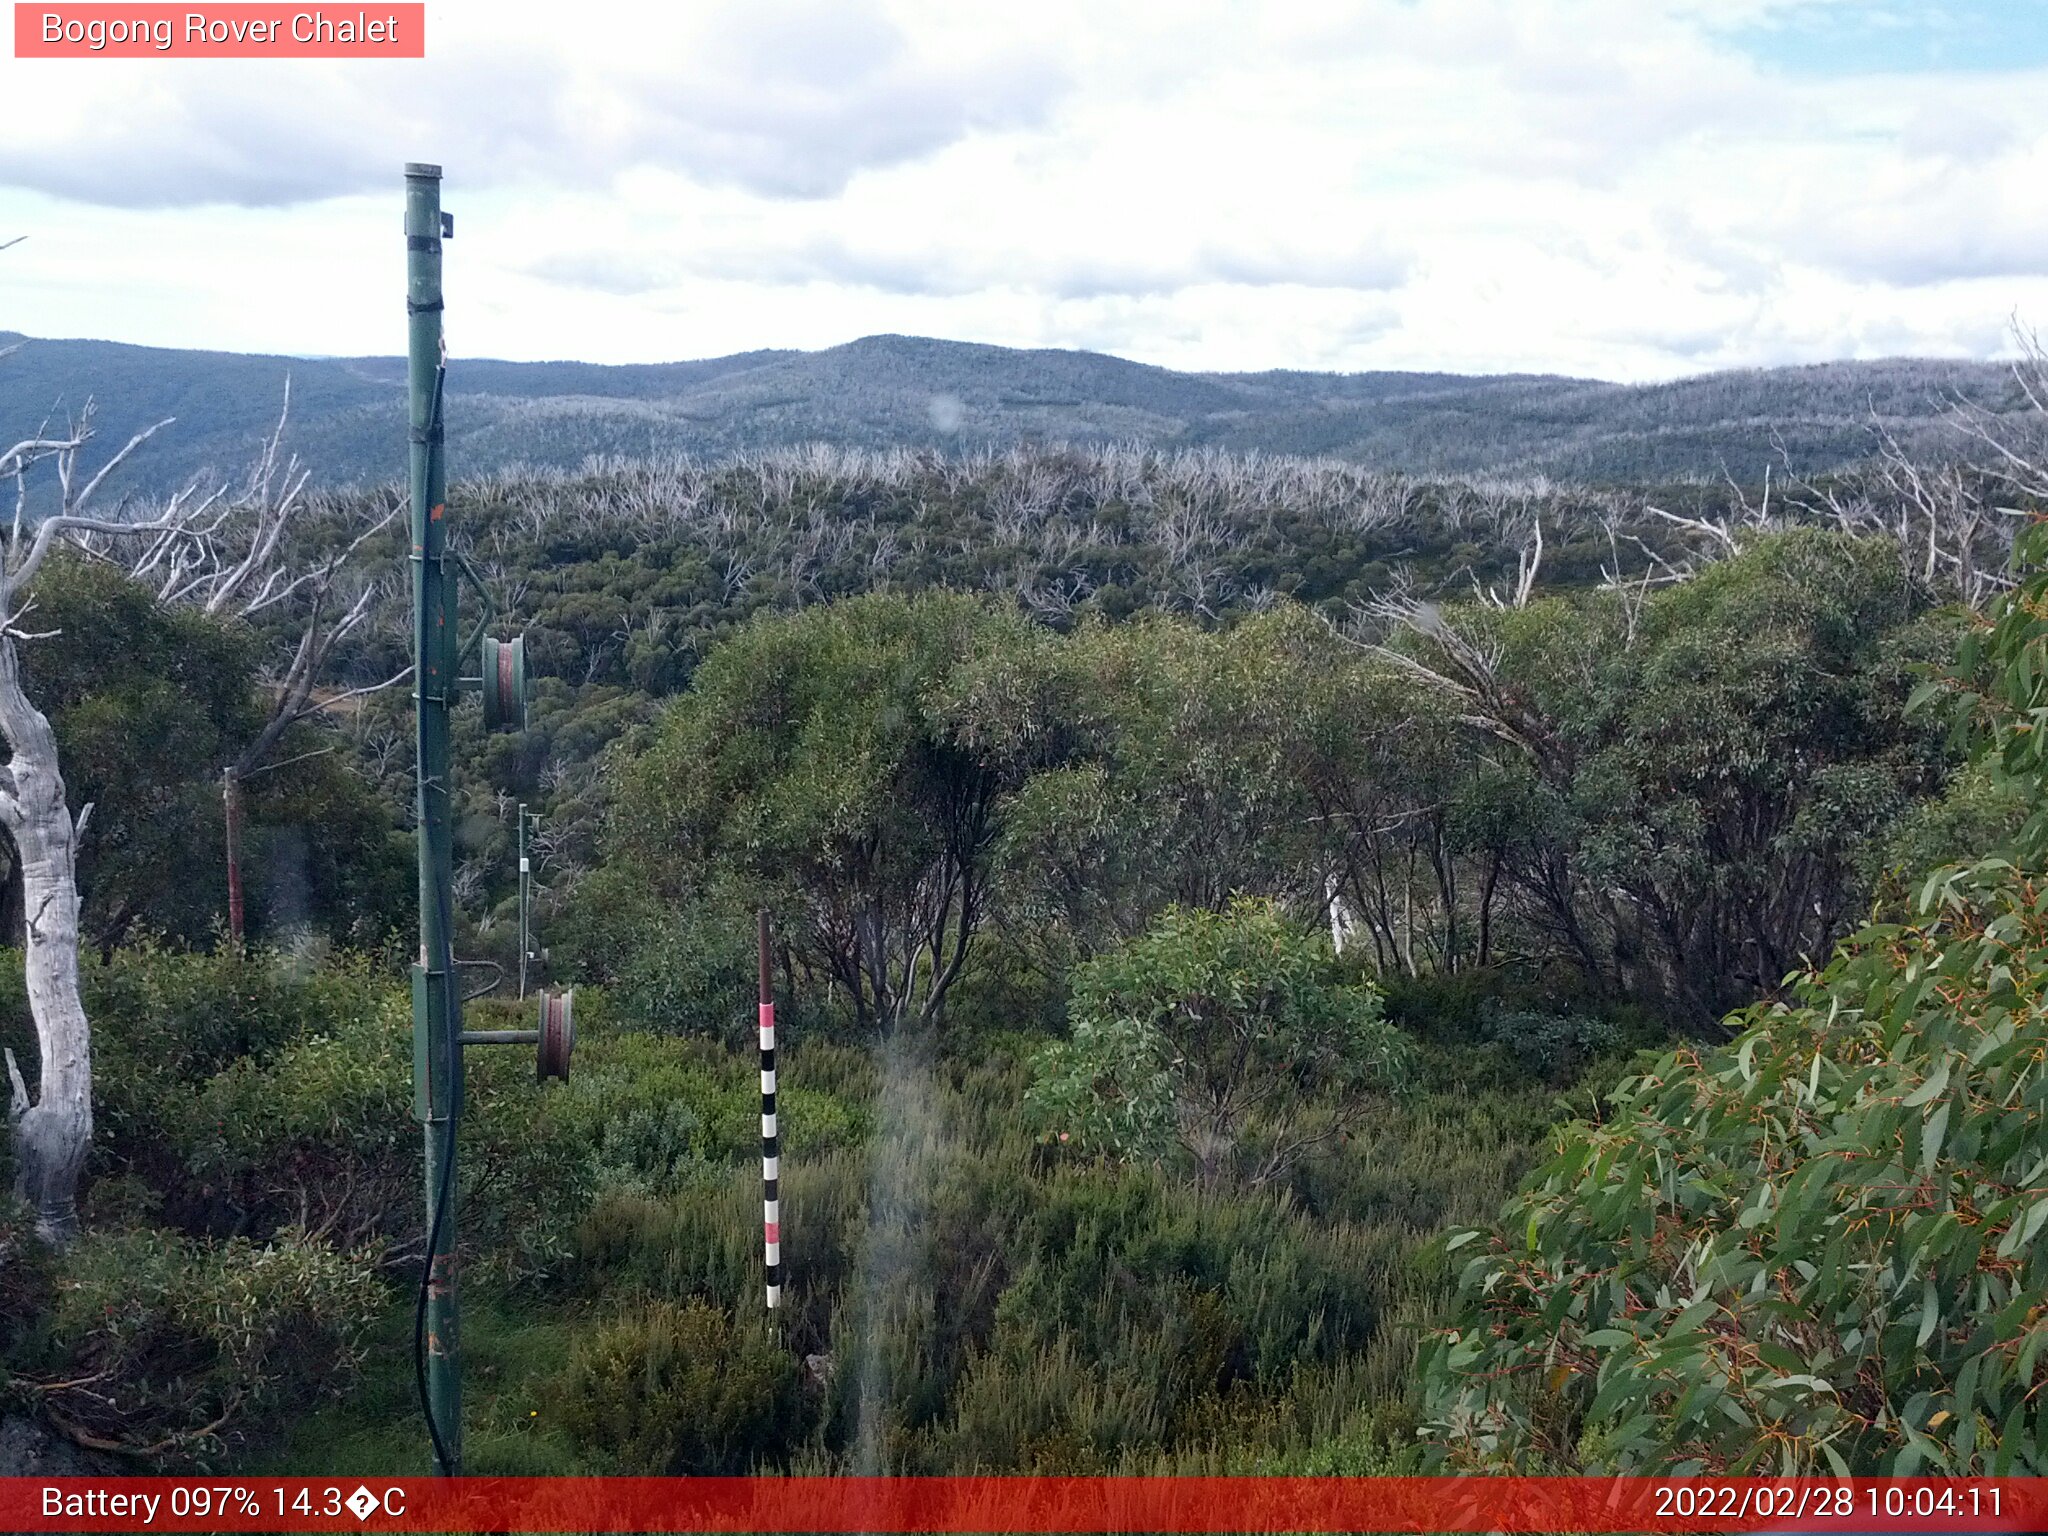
(53, 1126)
(1528, 565)
(1343, 924)
(1632, 592)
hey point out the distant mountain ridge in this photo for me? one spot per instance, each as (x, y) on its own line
(888, 391)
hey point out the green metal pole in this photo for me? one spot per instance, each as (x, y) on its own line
(437, 1020)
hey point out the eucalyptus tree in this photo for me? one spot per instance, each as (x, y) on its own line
(1709, 773)
(1818, 1248)
(1187, 781)
(1231, 1039)
(852, 765)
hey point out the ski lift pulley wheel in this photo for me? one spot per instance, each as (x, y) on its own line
(504, 683)
(557, 1033)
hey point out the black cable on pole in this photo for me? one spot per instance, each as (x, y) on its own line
(419, 1311)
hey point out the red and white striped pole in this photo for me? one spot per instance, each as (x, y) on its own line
(771, 1161)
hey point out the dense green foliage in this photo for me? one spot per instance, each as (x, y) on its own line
(977, 1299)
(149, 704)
(822, 764)
(1056, 769)
(1818, 1248)
(164, 1341)
(975, 1296)
(626, 577)
(681, 1389)
(1681, 798)
(1712, 780)
(256, 1141)
(1225, 1036)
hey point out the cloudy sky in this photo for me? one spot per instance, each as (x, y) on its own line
(1630, 189)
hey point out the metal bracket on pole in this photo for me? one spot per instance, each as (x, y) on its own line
(490, 606)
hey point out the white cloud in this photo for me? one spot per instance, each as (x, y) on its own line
(790, 98)
(1610, 187)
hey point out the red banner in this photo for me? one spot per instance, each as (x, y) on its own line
(1051, 1504)
(241, 31)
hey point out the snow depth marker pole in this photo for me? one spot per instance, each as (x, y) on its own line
(525, 886)
(771, 1160)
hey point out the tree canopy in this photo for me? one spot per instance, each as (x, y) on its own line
(149, 702)
(1817, 1248)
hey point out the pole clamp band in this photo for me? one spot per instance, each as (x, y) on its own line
(423, 309)
(423, 243)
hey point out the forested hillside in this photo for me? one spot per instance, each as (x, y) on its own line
(899, 391)
(1208, 891)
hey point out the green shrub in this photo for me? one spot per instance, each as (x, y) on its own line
(172, 1344)
(1046, 1407)
(1555, 1048)
(1977, 809)
(320, 1131)
(1124, 1322)
(1454, 1008)
(681, 1388)
(238, 1092)
(704, 1241)
(1228, 1036)
(162, 1015)
(27, 1283)
(676, 967)
(947, 1288)
(652, 1115)
(1812, 1250)
(317, 1130)
(240, 1095)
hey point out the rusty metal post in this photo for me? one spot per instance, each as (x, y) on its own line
(231, 812)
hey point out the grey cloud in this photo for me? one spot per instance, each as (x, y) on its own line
(806, 96)
(1955, 225)
(1707, 338)
(794, 264)
(788, 99)
(605, 272)
(946, 274)
(1964, 132)
(1941, 256)
(1908, 252)
(200, 138)
(1371, 267)
(193, 158)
